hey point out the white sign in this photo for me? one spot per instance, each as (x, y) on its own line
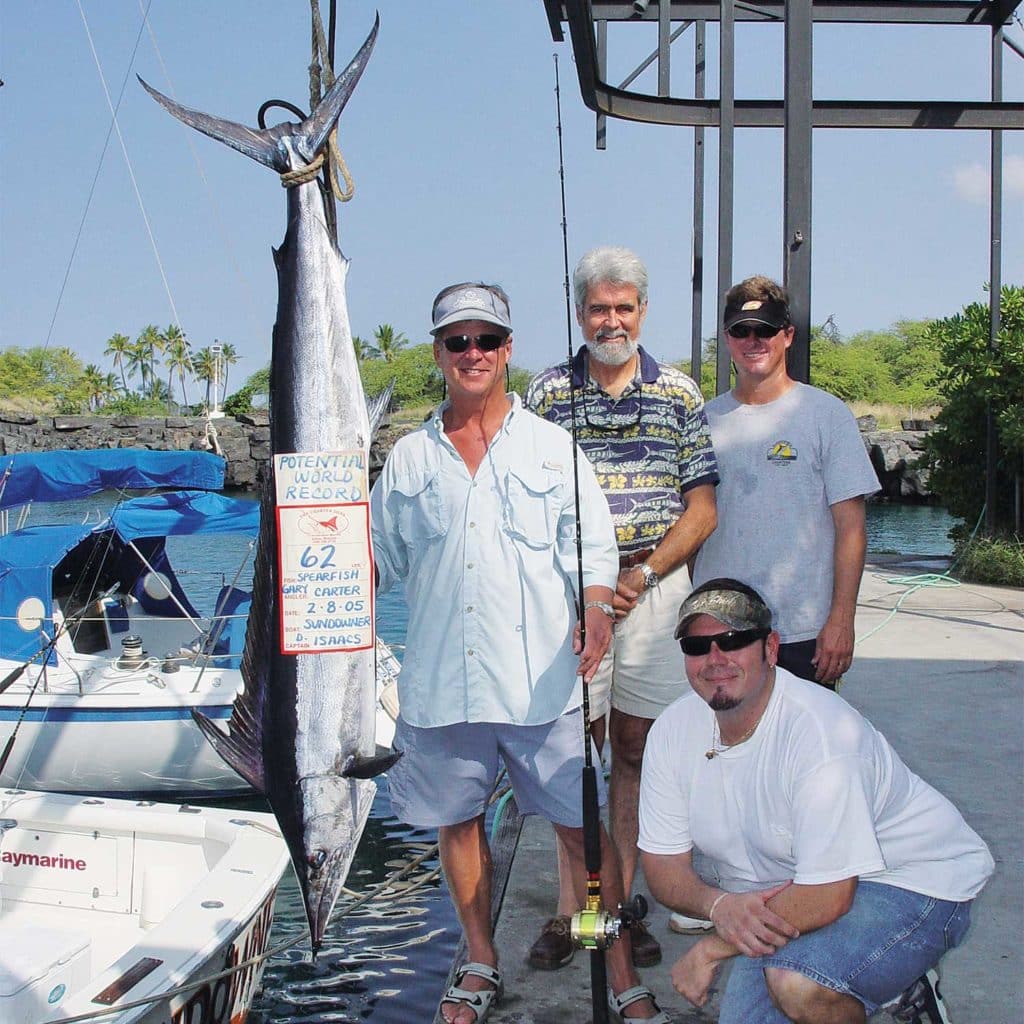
(325, 561)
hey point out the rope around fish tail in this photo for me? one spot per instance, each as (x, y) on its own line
(336, 164)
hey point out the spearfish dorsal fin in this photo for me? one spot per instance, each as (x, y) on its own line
(262, 145)
(377, 406)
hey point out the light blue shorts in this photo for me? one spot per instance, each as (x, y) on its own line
(882, 945)
(446, 775)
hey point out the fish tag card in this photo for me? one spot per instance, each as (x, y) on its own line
(324, 557)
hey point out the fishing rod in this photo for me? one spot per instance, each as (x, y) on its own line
(593, 927)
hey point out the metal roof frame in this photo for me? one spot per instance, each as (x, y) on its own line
(798, 114)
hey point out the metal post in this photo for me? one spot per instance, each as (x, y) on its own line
(697, 303)
(216, 351)
(726, 155)
(796, 231)
(601, 142)
(664, 47)
(995, 278)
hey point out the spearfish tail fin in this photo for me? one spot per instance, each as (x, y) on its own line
(262, 145)
(314, 130)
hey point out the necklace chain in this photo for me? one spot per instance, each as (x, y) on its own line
(715, 736)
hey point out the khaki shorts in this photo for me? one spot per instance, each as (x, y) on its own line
(644, 671)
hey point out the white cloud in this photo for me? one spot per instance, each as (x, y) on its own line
(971, 181)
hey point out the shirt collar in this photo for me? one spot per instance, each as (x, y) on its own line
(647, 370)
(517, 405)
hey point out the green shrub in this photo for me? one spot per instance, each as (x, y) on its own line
(996, 560)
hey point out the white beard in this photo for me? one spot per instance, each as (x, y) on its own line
(615, 352)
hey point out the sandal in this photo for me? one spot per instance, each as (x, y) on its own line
(619, 1002)
(479, 1002)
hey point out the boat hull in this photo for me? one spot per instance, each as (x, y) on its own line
(151, 910)
(95, 747)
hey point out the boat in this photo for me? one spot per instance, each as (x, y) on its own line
(103, 654)
(111, 906)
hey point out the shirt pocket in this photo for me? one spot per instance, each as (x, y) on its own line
(418, 507)
(533, 504)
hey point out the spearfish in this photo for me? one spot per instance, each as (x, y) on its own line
(302, 729)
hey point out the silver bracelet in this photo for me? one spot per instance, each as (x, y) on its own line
(603, 605)
(718, 899)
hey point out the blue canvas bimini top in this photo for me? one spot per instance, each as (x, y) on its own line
(67, 475)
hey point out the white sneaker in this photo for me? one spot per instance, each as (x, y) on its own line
(922, 1003)
(683, 925)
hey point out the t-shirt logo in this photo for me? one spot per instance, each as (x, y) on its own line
(782, 451)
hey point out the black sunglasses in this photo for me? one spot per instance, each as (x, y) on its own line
(762, 331)
(698, 646)
(485, 342)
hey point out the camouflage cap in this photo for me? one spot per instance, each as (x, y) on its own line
(736, 604)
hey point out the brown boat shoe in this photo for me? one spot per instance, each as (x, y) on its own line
(553, 948)
(646, 948)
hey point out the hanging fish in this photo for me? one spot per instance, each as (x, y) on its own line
(302, 729)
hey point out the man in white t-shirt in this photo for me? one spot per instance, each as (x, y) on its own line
(841, 877)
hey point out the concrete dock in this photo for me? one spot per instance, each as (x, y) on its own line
(943, 679)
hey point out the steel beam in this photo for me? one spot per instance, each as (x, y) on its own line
(796, 182)
(603, 98)
(697, 265)
(726, 153)
(885, 12)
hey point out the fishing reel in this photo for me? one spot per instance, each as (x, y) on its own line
(596, 928)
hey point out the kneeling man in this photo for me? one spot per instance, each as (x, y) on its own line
(841, 877)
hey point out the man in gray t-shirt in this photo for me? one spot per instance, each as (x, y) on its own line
(794, 475)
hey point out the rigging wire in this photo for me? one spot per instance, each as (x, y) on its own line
(131, 171)
(257, 328)
(96, 176)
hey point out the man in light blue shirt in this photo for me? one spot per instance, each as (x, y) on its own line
(475, 513)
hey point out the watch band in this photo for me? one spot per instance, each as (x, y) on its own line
(651, 578)
(603, 606)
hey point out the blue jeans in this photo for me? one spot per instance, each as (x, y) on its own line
(883, 944)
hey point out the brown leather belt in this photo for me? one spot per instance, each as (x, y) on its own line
(635, 558)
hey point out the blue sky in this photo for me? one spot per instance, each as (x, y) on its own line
(451, 139)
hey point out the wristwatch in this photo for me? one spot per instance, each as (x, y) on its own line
(651, 578)
(603, 605)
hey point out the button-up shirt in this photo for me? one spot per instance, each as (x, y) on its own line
(490, 570)
(648, 446)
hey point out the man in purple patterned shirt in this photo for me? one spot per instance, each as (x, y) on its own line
(643, 428)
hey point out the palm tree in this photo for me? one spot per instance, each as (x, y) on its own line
(120, 347)
(143, 357)
(173, 340)
(363, 349)
(109, 389)
(204, 370)
(228, 357)
(96, 385)
(179, 357)
(389, 342)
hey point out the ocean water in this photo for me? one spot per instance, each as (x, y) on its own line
(909, 529)
(387, 961)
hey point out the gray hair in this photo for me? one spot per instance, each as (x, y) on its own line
(611, 263)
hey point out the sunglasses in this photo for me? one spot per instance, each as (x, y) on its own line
(698, 646)
(485, 342)
(762, 331)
